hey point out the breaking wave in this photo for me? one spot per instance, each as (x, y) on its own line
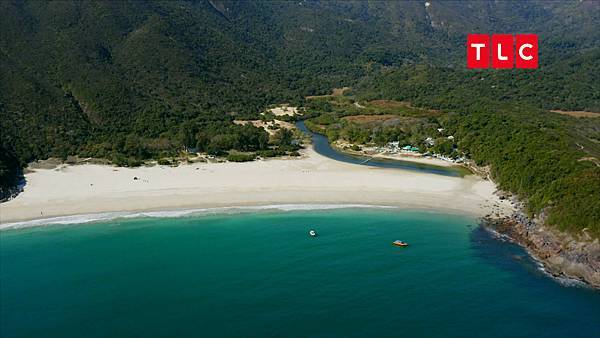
(108, 216)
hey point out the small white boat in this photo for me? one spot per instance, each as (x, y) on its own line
(312, 233)
(400, 244)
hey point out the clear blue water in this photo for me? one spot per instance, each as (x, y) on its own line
(259, 275)
(322, 146)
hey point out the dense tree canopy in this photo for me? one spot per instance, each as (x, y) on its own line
(134, 80)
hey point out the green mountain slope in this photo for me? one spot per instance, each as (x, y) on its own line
(129, 80)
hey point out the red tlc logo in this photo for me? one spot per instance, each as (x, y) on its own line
(505, 50)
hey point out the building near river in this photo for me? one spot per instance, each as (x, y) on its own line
(410, 148)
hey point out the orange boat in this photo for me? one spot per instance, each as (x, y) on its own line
(400, 243)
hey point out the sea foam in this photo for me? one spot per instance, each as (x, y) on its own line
(108, 216)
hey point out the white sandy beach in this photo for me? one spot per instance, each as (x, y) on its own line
(312, 179)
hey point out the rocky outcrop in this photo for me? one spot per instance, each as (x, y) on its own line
(561, 254)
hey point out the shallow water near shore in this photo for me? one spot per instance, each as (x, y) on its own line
(260, 274)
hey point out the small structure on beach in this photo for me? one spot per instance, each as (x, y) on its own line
(410, 148)
(393, 147)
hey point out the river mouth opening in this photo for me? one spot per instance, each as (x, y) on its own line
(321, 145)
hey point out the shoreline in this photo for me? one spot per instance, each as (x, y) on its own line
(560, 254)
(311, 179)
(210, 211)
(91, 192)
(431, 161)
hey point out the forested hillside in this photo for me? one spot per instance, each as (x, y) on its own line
(131, 80)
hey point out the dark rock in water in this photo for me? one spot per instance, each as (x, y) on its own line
(561, 254)
(135, 178)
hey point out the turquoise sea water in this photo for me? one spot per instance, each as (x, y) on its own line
(260, 275)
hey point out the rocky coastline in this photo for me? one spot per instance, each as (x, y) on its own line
(562, 255)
